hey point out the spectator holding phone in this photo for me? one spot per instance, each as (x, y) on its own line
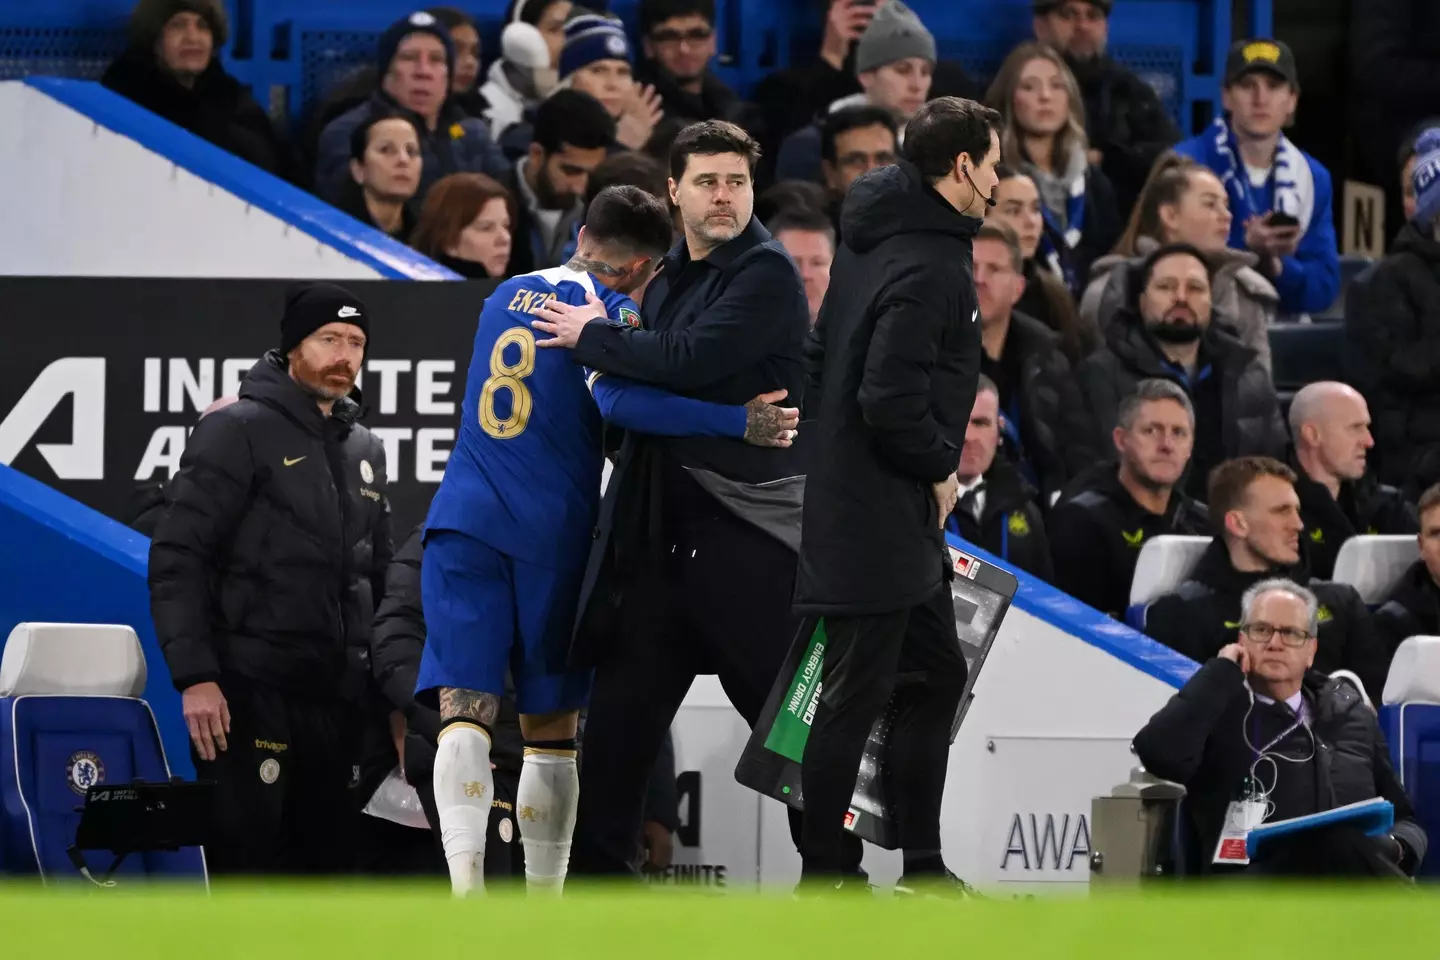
(1280, 196)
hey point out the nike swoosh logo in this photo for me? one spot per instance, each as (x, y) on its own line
(290, 463)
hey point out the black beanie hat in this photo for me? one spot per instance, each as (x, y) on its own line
(309, 306)
(150, 16)
(420, 21)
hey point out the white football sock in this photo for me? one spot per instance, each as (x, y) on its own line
(464, 791)
(545, 810)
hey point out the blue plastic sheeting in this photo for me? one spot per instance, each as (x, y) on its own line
(66, 563)
(361, 243)
(1065, 613)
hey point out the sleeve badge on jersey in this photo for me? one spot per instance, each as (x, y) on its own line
(629, 317)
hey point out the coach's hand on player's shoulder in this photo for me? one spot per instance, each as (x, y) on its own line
(208, 717)
(767, 425)
(564, 321)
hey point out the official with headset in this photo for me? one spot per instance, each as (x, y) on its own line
(893, 363)
(1257, 736)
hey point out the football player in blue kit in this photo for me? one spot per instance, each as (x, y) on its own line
(509, 531)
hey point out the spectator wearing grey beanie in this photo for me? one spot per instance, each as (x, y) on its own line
(894, 63)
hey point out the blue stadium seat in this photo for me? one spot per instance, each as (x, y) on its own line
(1374, 564)
(71, 717)
(1410, 718)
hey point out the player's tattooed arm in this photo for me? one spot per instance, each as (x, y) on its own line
(468, 705)
(768, 425)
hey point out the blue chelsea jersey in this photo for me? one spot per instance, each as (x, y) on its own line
(524, 476)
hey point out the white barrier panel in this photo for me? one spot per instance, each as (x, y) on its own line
(81, 199)
(1049, 729)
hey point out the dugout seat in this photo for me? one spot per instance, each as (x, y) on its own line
(1410, 718)
(1163, 565)
(71, 716)
(1374, 564)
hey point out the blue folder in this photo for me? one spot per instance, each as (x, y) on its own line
(1371, 817)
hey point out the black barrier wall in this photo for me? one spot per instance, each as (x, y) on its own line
(101, 380)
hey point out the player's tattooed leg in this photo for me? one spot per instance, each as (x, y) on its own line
(460, 704)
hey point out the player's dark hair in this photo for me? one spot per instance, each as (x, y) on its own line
(943, 129)
(627, 170)
(709, 138)
(630, 220)
(652, 13)
(572, 118)
(853, 118)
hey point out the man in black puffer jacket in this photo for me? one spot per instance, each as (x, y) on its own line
(172, 69)
(264, 572)
(1397, 330)
(1319, 745)
(1256, 516)
(1166, 332)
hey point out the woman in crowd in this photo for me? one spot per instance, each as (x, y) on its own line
(525, 72)
(465, 225)
(385, 167)
(1184, 202)
(465, 78)
(596, 59)
(1017, 205)
(1044, 135)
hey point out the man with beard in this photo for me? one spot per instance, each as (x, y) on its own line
(1104, 518)
(1125, 121)
(572, 136)
(1166, 332)
(678, 38)
(1330, 427)
(264, 573)
(1256, 516)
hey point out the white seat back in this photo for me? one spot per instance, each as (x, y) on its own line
(1373, 565)
(74, 659)
(1163, 565)
(1414, 672)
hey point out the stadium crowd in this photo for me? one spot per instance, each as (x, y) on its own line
(1128, 279)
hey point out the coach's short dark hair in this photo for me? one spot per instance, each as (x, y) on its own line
(853, 118)
(943, 129)
(709, 138)
(571, 118)
(631, 219)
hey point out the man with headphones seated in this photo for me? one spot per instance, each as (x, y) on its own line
(1257, 736)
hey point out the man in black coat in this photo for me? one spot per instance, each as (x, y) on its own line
(1257, 724)
(1104, 518)
(697, 536)
(1256, 516)
(1330, 425)
(264, 572)
(1047, 432)
(1413, 609)
(1127, 125)
(171, 69)
(893, 363)
(1166, 332)
(997, 509)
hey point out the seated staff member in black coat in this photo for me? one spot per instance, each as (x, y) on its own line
(893, 363)
(697, 536)
(996, 509)
(1104, 518)
(1306, 743)
(1256, 517)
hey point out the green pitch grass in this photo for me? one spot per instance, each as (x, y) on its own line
(281, 921)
